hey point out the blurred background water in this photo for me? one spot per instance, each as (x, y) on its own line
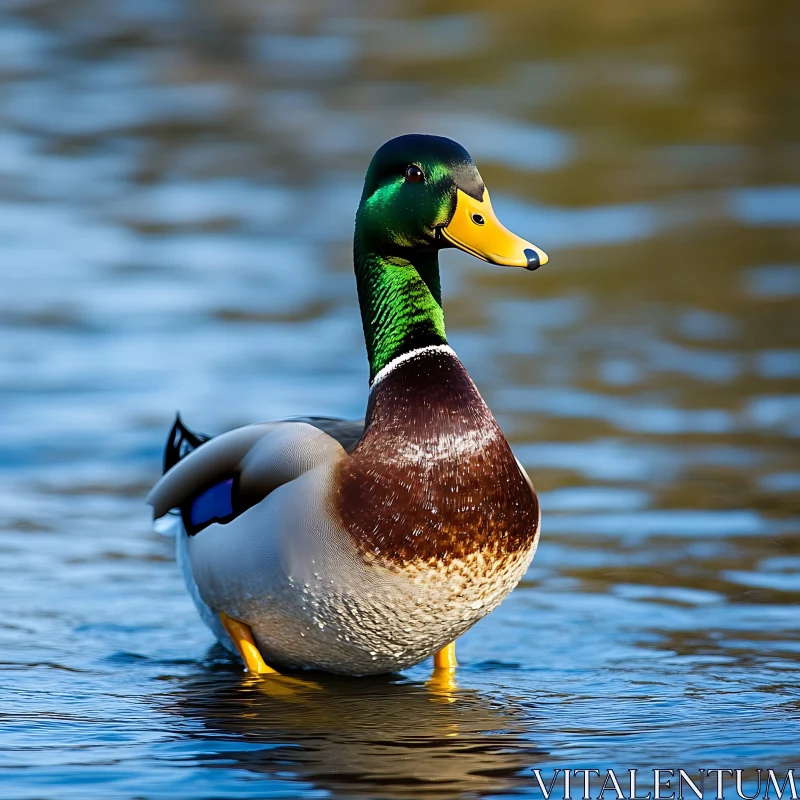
(178, 181)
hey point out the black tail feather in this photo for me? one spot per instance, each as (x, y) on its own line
(180, 442)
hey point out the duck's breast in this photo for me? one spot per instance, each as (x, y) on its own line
(433, 480)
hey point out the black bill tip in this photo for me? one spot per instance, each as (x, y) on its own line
(533, 259)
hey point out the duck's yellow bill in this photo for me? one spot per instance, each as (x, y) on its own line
(475, 229)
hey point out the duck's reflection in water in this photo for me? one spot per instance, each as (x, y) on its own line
(370, 737)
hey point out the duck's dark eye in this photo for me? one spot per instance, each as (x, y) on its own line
(414, 174)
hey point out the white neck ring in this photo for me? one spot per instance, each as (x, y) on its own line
(411, 354)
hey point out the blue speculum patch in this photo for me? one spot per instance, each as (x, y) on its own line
(215, 503)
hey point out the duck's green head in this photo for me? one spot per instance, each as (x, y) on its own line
(423, 193)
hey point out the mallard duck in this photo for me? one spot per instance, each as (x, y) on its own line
(363, 547)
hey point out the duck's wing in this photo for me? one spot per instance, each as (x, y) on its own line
(346, 431)
(220, 478)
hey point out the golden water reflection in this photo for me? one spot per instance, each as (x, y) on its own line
(356, 739)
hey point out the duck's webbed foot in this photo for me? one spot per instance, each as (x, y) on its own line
(243, 639)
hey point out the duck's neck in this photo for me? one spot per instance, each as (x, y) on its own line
(401, 304)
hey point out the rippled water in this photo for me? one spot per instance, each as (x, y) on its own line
(177, 188)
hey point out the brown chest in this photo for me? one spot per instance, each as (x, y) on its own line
(433, 478)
